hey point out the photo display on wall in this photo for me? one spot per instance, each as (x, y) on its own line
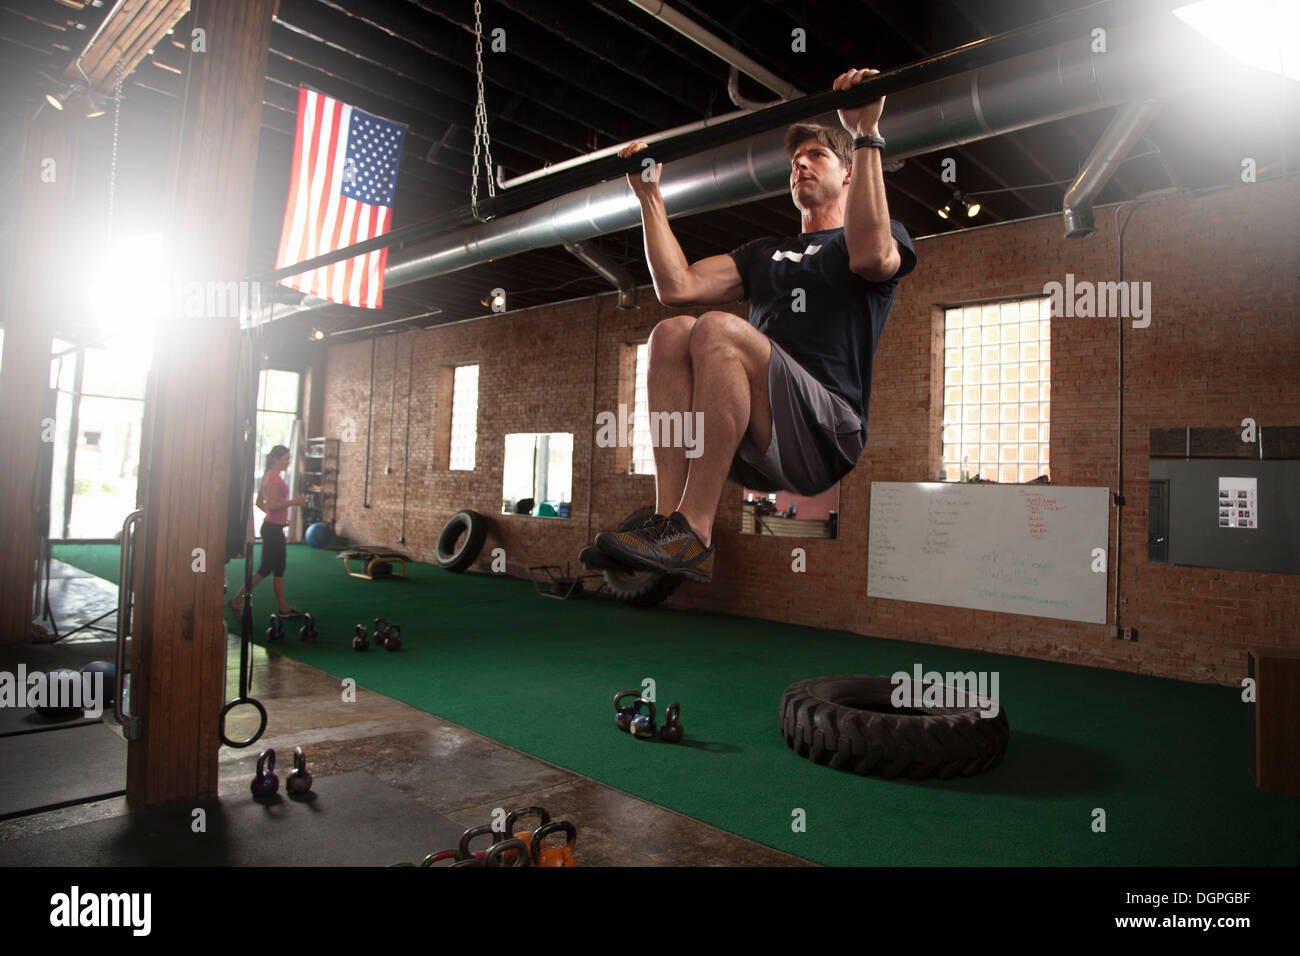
(1238, 503)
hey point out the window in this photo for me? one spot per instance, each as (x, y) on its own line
(643, 453)
(100, 394)
(277, 408)
(464, 418)
(997, 390)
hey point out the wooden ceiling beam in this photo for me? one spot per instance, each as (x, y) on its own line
(129, 32)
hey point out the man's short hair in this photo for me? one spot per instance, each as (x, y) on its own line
(832, 138)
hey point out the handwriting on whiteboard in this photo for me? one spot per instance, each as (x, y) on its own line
(1039, 508)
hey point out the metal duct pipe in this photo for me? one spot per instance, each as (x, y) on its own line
(1146, 59)
(608, 269)
(717, 46)
(1128, 125)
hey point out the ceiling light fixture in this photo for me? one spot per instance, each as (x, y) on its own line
(972, 208)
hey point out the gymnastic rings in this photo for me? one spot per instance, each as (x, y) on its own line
(261, 727)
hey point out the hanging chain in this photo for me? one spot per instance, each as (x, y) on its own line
(480, 122)
(112, 169)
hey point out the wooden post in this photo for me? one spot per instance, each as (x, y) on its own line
(180, 687)
(37, 301)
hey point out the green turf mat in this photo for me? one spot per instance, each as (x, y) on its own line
(1164, 760)
(101, 560)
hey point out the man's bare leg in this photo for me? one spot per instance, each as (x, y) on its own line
(671, 386)
(729, 363)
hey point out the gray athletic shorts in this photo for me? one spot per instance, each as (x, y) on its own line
(816, 435)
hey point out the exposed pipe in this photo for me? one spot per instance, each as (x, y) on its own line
(608, 269)
(1125, 129)
(738, 98)
(1146, 59)
(392, 411)
(649, 138)
(370, 407)
(595, 376)
(406, 442)
(718, 47)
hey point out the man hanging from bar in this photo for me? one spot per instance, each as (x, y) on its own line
(783, 397)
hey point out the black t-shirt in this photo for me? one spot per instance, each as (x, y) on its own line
(833, 327)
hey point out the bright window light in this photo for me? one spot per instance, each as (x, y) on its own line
(1264, 34)
(127, 293)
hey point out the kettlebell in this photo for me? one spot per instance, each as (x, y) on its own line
(643, 725)
(276, 631)
(432, 858)
(545, 855)
(393, 641)
(473, 832)
(623, 715)
(672, 731)
(265, 783)
(495, 855)
(359, 643)
(381, 630)
(512, 819)
(299, 780)
(308, 631)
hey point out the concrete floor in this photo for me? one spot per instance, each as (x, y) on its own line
(457, 773)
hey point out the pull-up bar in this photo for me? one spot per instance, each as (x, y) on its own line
(971, 56)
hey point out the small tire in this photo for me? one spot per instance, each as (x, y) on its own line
(850, 724)
(474, 527)
(639, 589)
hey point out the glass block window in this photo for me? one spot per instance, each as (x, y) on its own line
(464, 418)
(643, 455)
(997, 391)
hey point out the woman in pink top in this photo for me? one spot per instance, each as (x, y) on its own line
(273, 498)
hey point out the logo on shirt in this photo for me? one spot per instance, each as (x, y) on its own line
(795, 256)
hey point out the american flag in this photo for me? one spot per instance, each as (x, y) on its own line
(340, 192)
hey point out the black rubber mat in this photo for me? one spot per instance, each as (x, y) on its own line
(352, 819)
(70, 765)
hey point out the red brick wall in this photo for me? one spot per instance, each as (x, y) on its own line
(1223, 344)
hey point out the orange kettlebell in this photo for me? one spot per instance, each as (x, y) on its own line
(544, 855)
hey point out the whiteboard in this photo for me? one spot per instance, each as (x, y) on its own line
(1019, 549)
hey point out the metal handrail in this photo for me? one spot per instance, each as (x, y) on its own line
(125, 589)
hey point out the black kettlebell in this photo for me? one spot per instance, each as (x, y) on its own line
(643, 725)
(623, 715)
(359, 643)
(513, 817)
(393, 640)
(265, 783)
(381, 630)
(473, 833)
(276, 631)
(299, 780)
(308, 631)
(518, 848)
(672, 731)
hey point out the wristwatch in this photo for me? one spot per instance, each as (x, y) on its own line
(877, 142)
